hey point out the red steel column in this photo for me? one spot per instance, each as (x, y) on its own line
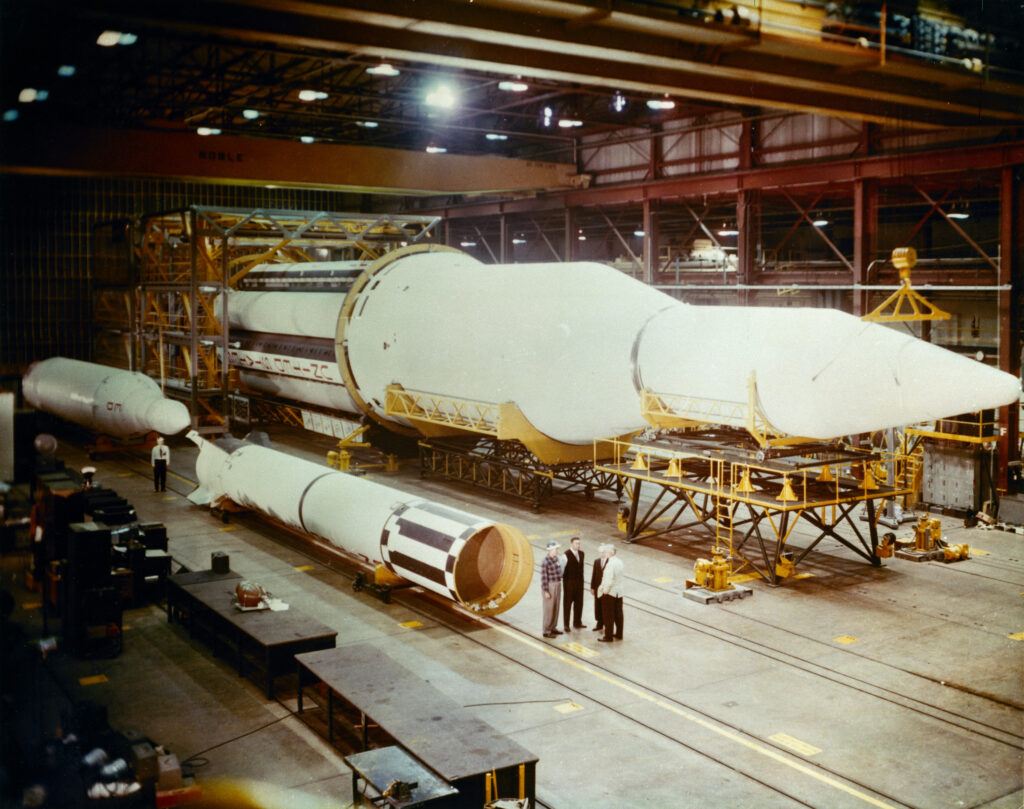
(1011, 280)
(865, 238)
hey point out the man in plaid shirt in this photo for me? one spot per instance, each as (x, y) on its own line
(551, 584)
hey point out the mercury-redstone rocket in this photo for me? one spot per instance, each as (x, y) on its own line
(118, 403)
(573, 346)
(484, 566)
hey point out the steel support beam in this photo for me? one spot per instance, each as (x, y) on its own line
(1011, 299)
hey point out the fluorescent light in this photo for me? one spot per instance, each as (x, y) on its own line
(108, 39)
(436, 150)
(661, 104)
(66, 70)
(250, 115)
(819, 222)
(728, 232)
(206, 130)
(582, 238)
(548, 112)
(569, 123)
(383, 69)
(441, 96)
(10, 115)
(958, 215)
(28, 95)
(519, 241)
(127, 39)
(367, 124)
(307, 139)
(467, 244)
(311, 95)
(513, 86)
(619, 102)
(495, 136)
(639, 234)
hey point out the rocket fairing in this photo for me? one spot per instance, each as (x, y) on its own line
(115, 402)
(575, 345)
(482, 565)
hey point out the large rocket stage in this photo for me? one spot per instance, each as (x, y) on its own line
(111, 401)
(484, 566)
(573, 346)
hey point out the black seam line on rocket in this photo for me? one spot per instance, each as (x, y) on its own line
(448, 513)
(634, 351)
(302, 498)
(428, 536)
(402, 562)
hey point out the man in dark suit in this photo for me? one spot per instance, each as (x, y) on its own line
(572, 586)
(595, 582)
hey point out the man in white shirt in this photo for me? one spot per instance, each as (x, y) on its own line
(609, 591)
(158, 459)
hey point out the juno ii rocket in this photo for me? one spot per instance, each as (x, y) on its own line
(569, 349)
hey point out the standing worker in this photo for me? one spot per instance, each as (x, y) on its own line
(595, 582)
(551, 584)
(610, 591)
(159, 458)
(572, 586)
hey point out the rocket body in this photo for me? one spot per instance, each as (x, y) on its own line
(574, 345)
(480, 564)
(124, 404)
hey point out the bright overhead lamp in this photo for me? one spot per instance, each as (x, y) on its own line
(467, 244)
(548, 113)
(959, 211)
(28, 95)
(639, 233)
(250, 115)
(569, 123)
(495, 136)
(513, 86)
(518, 241)
(66, 71)
(307, 139)
(436, 150)
(207, 130)
(383, 69)
(618, 103)
(311, 95)
(728, 231)
(819, 222)
(442, 96)
(10, 115)
(367, 124)
(665, 103)
(108, 39)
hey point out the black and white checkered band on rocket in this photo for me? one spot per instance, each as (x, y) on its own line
(421, 541)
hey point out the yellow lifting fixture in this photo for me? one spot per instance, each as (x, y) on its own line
(905, 304)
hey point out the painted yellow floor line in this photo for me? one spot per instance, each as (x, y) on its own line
(697, 720)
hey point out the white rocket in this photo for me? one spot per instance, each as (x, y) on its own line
(123, 404)
(484, 566)
(574, 345)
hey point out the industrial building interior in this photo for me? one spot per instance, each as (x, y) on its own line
(412, 291)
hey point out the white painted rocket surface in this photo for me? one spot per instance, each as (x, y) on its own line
(115, 402)
(574, 345)
(483, 565)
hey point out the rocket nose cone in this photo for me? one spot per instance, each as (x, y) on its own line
(168, 417)
(950, 384)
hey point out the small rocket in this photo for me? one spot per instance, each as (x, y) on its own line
(123, 404)
(574, 346)
(484, 566)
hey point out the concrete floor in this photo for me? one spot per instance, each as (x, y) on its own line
(852, 686)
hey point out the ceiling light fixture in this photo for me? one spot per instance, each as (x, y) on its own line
(66, 70)
(819, 221)
(513, 86)
(307, 139)
(383, 69)
(207, 130)
(665, 103)
(467, 244)
(619, 102)
(959, 211)
(108, 39)
(10, 115)
(548, 113)
(436, 150)
(250, 115)
(28, 95)
(367, 124)
(728, 230)
(639, 234)
(519, 241)
(495, 136)
(569, 123)
(311, 95)
(441, 96)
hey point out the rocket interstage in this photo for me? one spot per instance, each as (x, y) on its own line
(575, 345)
(115, 402)
(484, 566)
